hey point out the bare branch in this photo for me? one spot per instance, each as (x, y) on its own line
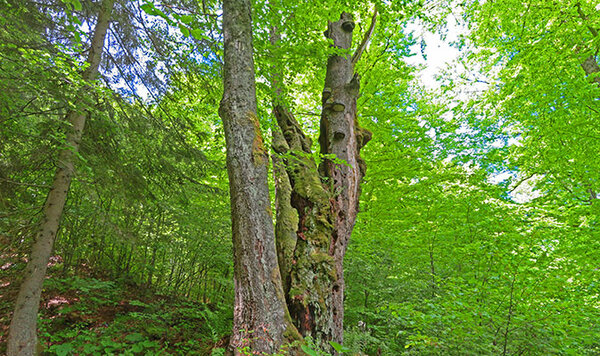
(365, 40)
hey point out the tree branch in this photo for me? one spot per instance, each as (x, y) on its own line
(521, 182)
(365, 40)
(593, 31)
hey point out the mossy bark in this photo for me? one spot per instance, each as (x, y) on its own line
(260, 321)
(317, 206)
(22, 339)
(304, 228)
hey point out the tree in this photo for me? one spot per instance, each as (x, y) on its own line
(259, 307)
(22, 336)
(443, 260)
(316, 206)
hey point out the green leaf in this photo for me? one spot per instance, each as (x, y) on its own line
(137, 348)
(138, 303)
(148, 8)
(309, 351)
(338, 347)
(90, 349)
(135, 337)
(198, 34)
(63, 349)
(184, 30)
(187, 19)
(75, 4)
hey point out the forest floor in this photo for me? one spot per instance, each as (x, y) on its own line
(85, 313)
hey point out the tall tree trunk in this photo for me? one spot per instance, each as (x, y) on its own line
(22, 339)
(316, 211)
(303, 222)
(259, 318)
(304, 229)
(340, 135)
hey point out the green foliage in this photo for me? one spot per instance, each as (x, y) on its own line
(444, 259)
(339, 348)
(93, 316)
(467, 267)
(308, 346)
(218, 352)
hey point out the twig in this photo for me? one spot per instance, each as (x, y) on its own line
(521, 182)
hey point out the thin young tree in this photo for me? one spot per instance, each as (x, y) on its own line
(22, 339)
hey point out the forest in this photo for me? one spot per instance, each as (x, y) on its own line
(236, 177)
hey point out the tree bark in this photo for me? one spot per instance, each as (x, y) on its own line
(259, 318)
(303, 222)
(22, 339)
(590, 66)
(316, 208)
(341, 135)
(304, 230)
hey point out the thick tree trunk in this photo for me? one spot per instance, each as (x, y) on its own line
(303, 223)
(316, 212)
(304, 227)
(22, 339)
(259, 321)
(341, 136)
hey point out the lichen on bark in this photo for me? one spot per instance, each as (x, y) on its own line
(303, 210)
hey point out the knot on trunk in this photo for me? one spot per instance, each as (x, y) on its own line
(348, 26)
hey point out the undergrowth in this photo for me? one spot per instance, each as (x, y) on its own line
(81, 315)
